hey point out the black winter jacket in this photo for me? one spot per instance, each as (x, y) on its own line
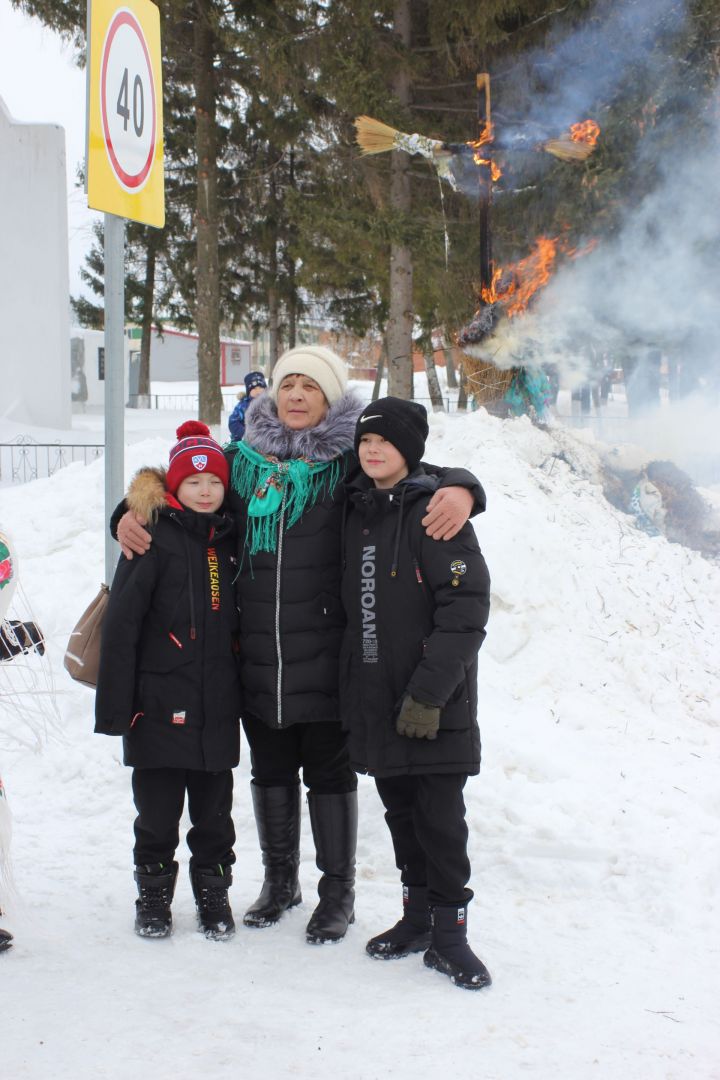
(292, 618)
(417, 610)
(169, 680)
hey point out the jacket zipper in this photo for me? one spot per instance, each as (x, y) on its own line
(278, 648)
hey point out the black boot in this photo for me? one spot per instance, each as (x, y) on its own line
(411, 934)
(156, 886)
(6, 940)
(210, 888)
(277, 814)
(334, 827)
(449, 951)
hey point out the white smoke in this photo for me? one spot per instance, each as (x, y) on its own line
(653, 285)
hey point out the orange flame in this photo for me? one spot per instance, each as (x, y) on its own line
(586, 131)
(524, 278)
(485, 137)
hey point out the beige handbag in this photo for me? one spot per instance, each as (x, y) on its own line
(82, 656)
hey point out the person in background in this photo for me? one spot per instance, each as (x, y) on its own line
(17, 637)
(255, 385)
(416, 613)
(169, 682)
(287, 497)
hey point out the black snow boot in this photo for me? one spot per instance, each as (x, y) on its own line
(210, 888)
(6, 940)
(156, 886)
(449, 951)
(334, 827)
(277, 815)
(411, 934)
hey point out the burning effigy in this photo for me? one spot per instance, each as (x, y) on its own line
(495, 361)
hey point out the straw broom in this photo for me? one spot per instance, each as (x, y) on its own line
(375, 137)
(568, 150)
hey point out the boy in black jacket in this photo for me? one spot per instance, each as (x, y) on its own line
(169, 682)
(416, 610)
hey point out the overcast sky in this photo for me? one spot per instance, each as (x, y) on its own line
(40, 83)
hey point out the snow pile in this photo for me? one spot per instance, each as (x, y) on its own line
(593, 826)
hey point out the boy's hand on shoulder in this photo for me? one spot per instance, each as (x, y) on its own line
(448, 510)
(416, 720)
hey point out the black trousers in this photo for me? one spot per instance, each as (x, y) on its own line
(159, 799)
(426, 818)
(320, 750)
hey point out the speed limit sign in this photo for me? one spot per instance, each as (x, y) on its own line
(125, 154)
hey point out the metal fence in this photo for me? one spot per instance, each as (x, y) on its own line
(25, 459)
(187, 403)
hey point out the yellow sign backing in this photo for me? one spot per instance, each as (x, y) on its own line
(125, 116)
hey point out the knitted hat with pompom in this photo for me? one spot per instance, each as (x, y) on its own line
(195, 452)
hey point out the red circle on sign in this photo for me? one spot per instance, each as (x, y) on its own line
(136, 180)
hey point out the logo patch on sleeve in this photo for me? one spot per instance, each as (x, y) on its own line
(178, 717)
(457, 566)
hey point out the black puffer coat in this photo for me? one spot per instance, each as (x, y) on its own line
(417, 610)
(292, 618)
(169, 680)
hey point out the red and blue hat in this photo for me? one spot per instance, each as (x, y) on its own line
(196, 452)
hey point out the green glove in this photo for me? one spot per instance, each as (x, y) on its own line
(418, 721)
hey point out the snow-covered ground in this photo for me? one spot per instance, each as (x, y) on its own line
(593, 826)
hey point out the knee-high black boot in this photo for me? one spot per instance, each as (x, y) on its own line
(277, 814)
(334, 826)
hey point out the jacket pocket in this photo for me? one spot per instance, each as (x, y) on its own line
(329, 607)
(456, 715)
(170, 699)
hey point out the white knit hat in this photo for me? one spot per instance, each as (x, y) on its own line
(323, 365)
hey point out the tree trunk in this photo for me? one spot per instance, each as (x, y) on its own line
(380, 371)
(147, 311)
(207, 312)
(290, 269)
(450, 368)
(398, 334)
(462, 396)
(433, 383)
(292, 306)
(273, 325)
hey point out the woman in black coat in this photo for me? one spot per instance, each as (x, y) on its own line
(169, 681)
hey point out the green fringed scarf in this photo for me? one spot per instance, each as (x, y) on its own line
(271, 488)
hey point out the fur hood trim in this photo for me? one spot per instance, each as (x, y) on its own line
(147, 493)
(334, 435)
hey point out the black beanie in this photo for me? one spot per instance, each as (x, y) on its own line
(402, 423)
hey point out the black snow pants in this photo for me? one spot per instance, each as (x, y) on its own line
(426, 817)
(159, 799)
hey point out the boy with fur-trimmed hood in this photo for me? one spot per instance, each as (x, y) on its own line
(416, 610)
(169, 681)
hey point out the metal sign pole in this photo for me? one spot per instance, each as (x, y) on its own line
(114, 378)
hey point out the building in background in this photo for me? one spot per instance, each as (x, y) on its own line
(173, 358)
(34, 278)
